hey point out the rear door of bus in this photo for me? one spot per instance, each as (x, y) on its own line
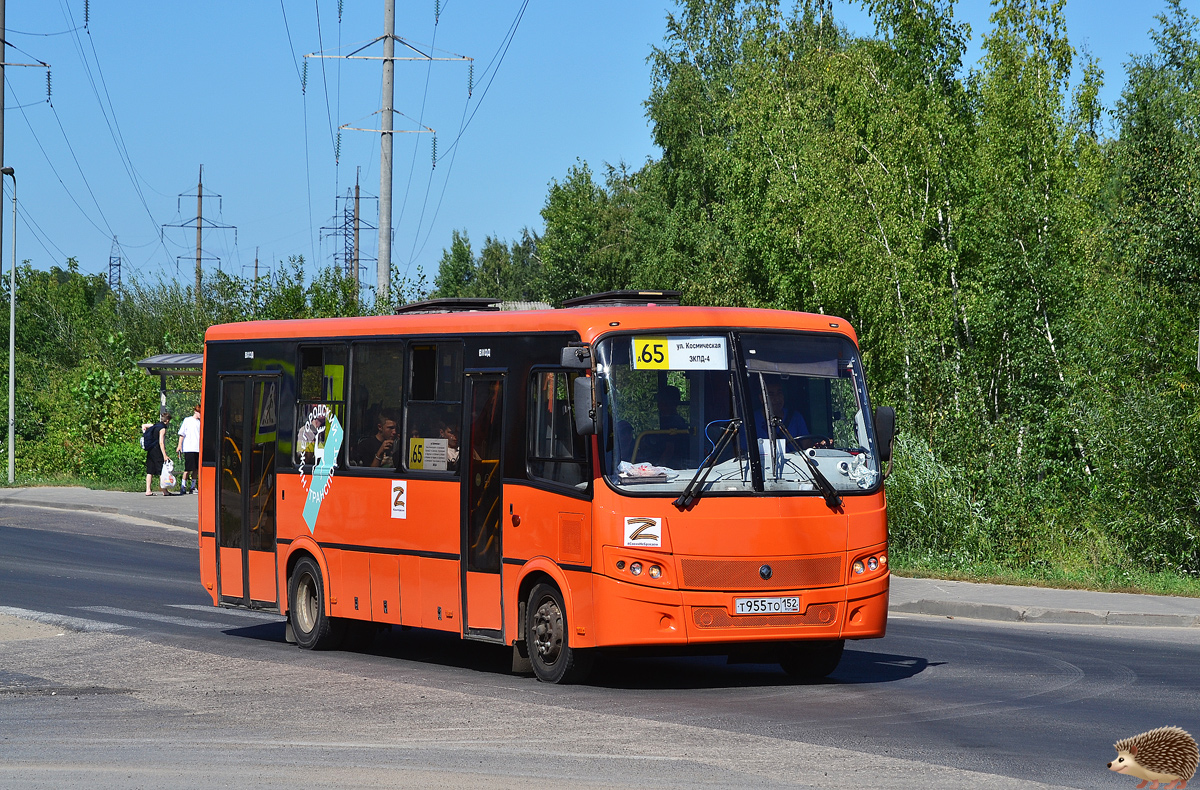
(246, 491)
(483, 503)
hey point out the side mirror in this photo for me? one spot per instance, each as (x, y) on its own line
(585, 407)
(576, 357)
(885, 432)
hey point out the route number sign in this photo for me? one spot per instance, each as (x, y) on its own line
(679, 353)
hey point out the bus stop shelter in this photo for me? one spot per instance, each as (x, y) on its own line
(173, 365)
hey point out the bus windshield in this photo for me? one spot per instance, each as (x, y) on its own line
(669, 398)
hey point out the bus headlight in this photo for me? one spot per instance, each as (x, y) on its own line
(655, 571)
(635, 568)
(858, 567)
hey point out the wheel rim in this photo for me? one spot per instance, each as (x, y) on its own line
(306, 603)
(548, 631)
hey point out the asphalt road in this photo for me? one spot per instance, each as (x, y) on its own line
(131, 680)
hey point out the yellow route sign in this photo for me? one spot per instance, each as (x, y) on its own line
(650, 353)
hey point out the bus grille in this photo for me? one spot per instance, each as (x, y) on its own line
(733, 575)
(718, 617)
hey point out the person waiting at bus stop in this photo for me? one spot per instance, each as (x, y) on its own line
(156, 451)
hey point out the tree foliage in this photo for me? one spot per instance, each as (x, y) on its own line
(1025, 289)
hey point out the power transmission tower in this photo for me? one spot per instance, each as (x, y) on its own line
(389, 38)
(201, 224)
(347, 254)
(114, 267)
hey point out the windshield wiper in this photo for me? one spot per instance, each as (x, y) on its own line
(691, 491)
(823, 485)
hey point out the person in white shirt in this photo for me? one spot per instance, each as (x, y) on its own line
(189, 447)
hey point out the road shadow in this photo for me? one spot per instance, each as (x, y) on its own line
(707, 672)
(263, 632)
(612, 670)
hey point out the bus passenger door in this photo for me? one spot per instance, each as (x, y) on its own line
(246, 568)
(483, 490)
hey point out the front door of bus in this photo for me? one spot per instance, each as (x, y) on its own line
(483, 490)
(246, 494)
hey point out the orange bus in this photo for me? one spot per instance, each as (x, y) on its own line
(622, 473)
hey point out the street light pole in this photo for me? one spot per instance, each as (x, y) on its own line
(12, 334)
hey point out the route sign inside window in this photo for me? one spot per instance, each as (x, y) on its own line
(675, 352)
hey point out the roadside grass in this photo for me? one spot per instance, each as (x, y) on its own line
(44, 481)
(1105, 579)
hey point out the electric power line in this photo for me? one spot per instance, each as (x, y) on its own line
(113, 125)
(304, 102)
(453, 148)
(412, 165)
(54, 169)
(24, 33)
(79, 167)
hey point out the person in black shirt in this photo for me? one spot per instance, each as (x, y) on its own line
(156, 453)
(377, 450)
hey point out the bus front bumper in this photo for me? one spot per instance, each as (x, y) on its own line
(632, 614)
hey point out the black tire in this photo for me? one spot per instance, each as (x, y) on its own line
(553, 658)
(811, 660)
(314, 630)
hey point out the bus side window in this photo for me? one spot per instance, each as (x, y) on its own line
(556, 453)
(375, 401)
(433, 416)
(322, 398)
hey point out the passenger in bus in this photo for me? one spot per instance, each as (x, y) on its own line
(663, 448)
(450, 434)
(669, 417)
(309, 437)
(625, 440)
(779, 407)
(376, 450)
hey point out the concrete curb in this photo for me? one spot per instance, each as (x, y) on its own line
(172, 521)
(1034, 614)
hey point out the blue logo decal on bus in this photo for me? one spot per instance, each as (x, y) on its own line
(322, 473)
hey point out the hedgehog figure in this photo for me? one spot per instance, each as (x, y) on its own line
(1167, 754)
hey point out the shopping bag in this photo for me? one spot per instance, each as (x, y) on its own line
(167, 479)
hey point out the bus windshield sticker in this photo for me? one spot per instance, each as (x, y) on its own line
(322, 472)
(679, 353)
(646, 532)
(399, 499)
(427, 454)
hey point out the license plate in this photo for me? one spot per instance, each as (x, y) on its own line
(767, 605)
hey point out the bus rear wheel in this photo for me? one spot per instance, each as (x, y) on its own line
(546, 637)
(314, 629)
(811, 660)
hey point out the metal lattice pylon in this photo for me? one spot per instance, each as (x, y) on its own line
(114, 266)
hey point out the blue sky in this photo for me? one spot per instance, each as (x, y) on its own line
(150, 91)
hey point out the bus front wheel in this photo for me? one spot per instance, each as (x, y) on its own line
(553, 659)
(811, 660)
(314, 629)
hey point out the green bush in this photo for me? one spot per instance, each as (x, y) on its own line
(934, 517)
(113, 463)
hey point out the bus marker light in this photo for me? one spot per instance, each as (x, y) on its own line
(620, 565)
(655, 571)
(883, 560)
(858, 566)
(636, 569)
